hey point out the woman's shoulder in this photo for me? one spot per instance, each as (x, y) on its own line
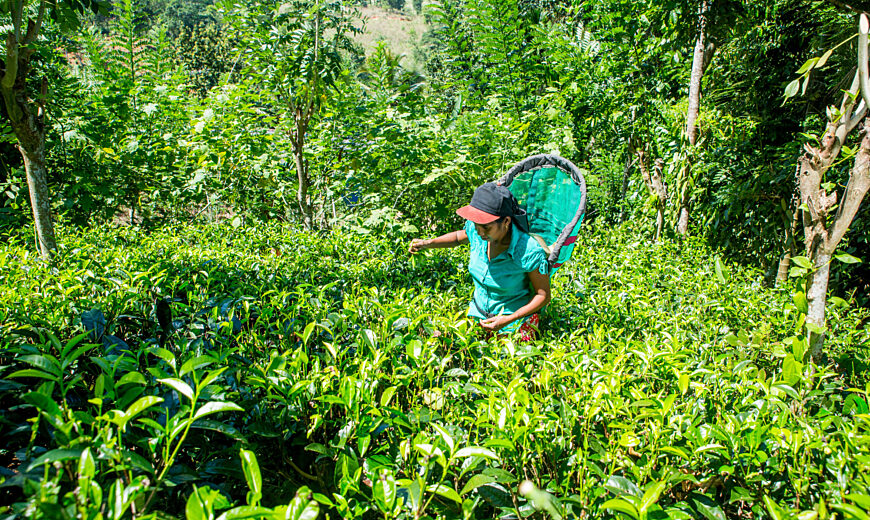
(529, 254)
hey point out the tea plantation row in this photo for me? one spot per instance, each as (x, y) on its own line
(214, 372)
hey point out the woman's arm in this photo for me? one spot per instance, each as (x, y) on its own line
(452, 239)
(540, 298)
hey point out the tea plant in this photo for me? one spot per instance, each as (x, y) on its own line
(257, 372)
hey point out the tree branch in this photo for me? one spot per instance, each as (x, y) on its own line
(846, 7)
(11, 73)
(856, 188)
(33, 28)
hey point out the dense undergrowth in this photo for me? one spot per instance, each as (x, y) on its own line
(212, 371)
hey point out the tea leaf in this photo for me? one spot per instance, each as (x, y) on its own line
(618, 504)
(475, 482)
(444, 491)
(216, 407)
(475, 451)
(57, 455)
(180, 386)
(622, 486)
(252, 476)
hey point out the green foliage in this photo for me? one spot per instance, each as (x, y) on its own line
(220, 371)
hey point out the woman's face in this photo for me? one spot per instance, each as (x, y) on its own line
(495, 231)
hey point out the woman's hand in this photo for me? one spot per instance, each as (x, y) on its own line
(417, 245)
(496, 323)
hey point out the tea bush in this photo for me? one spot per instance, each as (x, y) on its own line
(258, 372)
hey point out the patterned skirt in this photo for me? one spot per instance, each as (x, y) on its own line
(529, 329)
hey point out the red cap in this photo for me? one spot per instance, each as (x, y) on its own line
(475, 215)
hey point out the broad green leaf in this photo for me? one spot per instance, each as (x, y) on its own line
(792, 88)
(46, 406)
(56, 456)
(131, 378)
(622, 486)
(800, 302)
(142, 404)
(860, 499)
(810, 63)
(651, 495)
(475, 482)
(251, 468)
(824, 59)
(792, 371)
(673, 450)
(802, 261)
(773, 509)
(720, 276)
(165, 355)
(387, 395)
(495, 494)
(301, 508)
(812, 327)
(475, 451)
(384, 492)
(47, 363)
(444, 491)
(851, 512)
(708, 507)
(307, 332)
(445, 436)
(87, 466)
(196, 363)
(214, 374)
(683, 383)
(32, 372)
(618, 504)
(847, 258)
(215, 407)
(71, 344)
(180, 386)
(247, 512)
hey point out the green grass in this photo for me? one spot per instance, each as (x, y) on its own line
(335, 373)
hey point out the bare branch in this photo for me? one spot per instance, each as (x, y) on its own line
(846, 109)
(856, 188)
(863, 72)
(33, 28)
(856, 118)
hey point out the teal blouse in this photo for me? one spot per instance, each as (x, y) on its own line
(502, 286)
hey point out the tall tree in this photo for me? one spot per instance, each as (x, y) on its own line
(823, 227)
(293, 56)
(704, 50)
(25, 98)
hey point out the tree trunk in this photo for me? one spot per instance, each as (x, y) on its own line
(683, 222)
(817, 290)
(302, 191)
(40, 200)
(655, 185)
(27, 118)
(629, 160)
(704, 50)
(660, 223)
(302, 115)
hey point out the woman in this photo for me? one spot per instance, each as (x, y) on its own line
(509, 268)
